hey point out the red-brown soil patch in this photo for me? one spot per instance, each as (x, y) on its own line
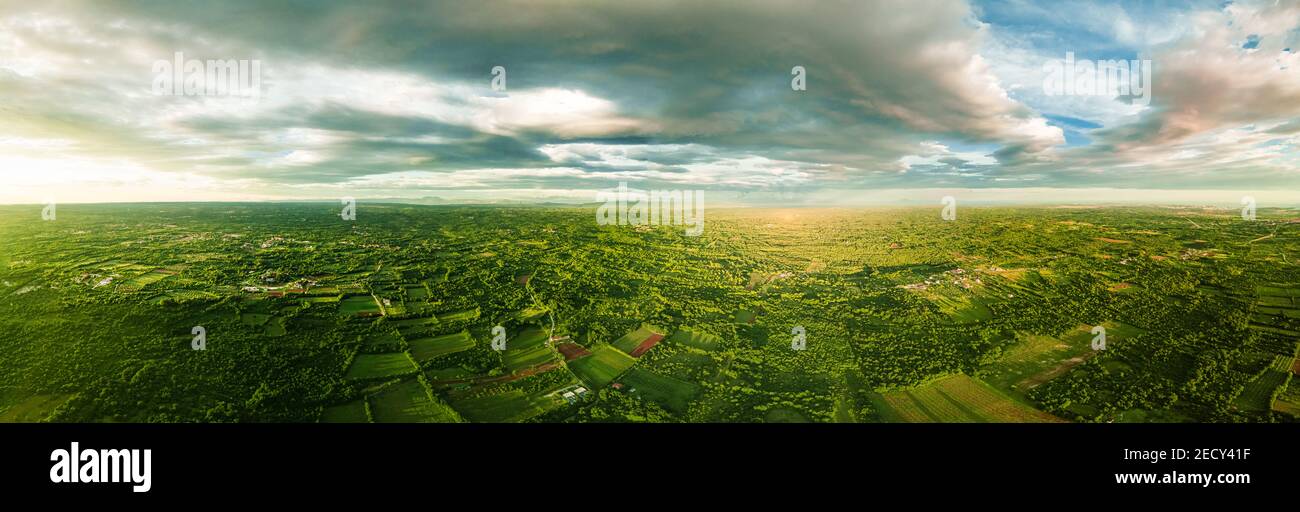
(645, 345)
(572, 351)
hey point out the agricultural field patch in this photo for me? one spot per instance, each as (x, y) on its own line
(359, 305)
(637, 342)
(416, 293)
(511, 406)
(956, 399)
(530, 337)
(424, 349)
(355, 411)
(254, 319)
(1035, 359)
(601, 367)
(384, 338)
(695, 339)
(410, 402)
(784, 415)
(530, 313)
(673, 394)
(275, 327)
(459, 316)
(375, 366)
(517, 359)
(1259, 393)
(571, 350)
(32, 408)
(147, 279)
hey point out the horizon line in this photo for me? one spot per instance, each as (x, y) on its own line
(563, 204)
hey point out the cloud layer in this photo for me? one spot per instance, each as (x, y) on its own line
(397, 101)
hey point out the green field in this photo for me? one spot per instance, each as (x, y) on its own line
(255, 319)
(695, 339)
(417, 292)
(673, 394)
(383, 337)
(530, 337)
(375, 366)
(630, 341)
(33, 409)
(424, 349)
(601, 367)
(1035, 359)
(275, 327)
(516, 359)
(956, 399)
(459, 316)
(416, 327)
(413, 322)
(530, 314)
(147, 279)
(508, 407)
(351, 412)
(1258, 393)
(359, 305)
(527, 349)
(410, 402)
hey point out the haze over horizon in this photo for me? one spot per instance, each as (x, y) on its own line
(864, 199)
(901, 106)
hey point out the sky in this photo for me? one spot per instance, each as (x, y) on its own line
(892, 101)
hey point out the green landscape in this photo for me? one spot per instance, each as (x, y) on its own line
(307, 317)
